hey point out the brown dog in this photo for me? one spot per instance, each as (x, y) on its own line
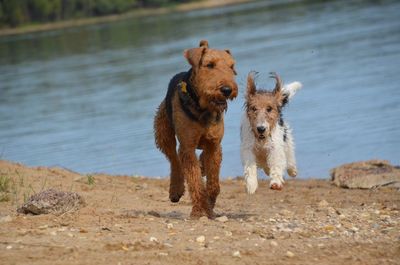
(193, 111)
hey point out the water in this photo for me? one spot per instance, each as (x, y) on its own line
(84, 98)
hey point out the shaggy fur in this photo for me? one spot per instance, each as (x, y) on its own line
(193, 113)
(266, 140)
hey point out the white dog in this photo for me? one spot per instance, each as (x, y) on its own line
(266, 140)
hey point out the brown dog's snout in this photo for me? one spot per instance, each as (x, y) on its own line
(226, 91)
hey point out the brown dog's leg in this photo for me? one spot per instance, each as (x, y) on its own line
(166, 142)
(211, 159)
(191, 170)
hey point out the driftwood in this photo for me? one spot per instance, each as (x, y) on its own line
(52, 201)
(366, 175)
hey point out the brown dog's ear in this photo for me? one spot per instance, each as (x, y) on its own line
(195, 56)
(228, 52)
(204, 43)
(251, 85)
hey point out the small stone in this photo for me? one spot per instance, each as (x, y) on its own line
(323, 203)
(153, 239)
(354, 229)
(163, 254)
(203, 219)
(170, 226)
(5, 219)
(43, 227)
(222, 219)
(273, 243)
(200, 239)
(228, 233)
(289, 254)
(285, 212)
(236, 254)
(168, 245)
(53, 233)
(9, 247)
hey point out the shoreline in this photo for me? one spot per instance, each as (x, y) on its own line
(138, 13)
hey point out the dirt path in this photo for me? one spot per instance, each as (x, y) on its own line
(129, 220)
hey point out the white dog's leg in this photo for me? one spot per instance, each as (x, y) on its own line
(247, 155)
(250, 175)
(289, 152)
(277, 159)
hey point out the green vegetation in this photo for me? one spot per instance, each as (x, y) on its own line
(90, 180)
(14, 13)
(4, 188)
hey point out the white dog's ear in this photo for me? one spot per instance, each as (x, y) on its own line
(290, 89)
(251, 84)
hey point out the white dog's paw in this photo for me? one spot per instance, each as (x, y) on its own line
(251, 185)
(276, 184)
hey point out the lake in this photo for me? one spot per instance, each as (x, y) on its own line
(84, 98)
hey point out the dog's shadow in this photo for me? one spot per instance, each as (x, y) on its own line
(176, 215)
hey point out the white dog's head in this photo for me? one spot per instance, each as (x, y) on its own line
(264, 108)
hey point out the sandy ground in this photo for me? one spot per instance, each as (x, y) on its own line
(129, 220)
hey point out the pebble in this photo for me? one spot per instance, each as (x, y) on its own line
(236, 254)
(289, 254)
(153, 239)
(228, 233)
(168, 245)
(222, 219)
(203, 219)
(323, 203)
(5, 219)
(200, 239)
(163, 254)
(170, 226)
(9, 247)
(273, 243)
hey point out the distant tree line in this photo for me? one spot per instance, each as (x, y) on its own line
(17, 12)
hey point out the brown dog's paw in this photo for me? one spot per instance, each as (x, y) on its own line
(197, 213)
(276, 186)
(175, 197)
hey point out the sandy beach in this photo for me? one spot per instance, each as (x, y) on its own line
(129, 220)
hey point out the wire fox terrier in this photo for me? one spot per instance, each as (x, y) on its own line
(193, 113)
(266, 140)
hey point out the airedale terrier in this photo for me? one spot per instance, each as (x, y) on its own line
(193, 113)
(266, 140)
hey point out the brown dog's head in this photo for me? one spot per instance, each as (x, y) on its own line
(264, 107)
(213, 76)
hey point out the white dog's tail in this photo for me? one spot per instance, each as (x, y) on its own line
(291, 89)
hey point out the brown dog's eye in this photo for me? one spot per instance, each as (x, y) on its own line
(233, 69)
(253, 109)
(210, 65)
(269, 109)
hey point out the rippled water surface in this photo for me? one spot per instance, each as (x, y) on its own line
(84, 98)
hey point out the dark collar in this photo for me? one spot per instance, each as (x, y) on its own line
(190, 102)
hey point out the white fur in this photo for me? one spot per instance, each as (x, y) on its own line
(280, 153)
